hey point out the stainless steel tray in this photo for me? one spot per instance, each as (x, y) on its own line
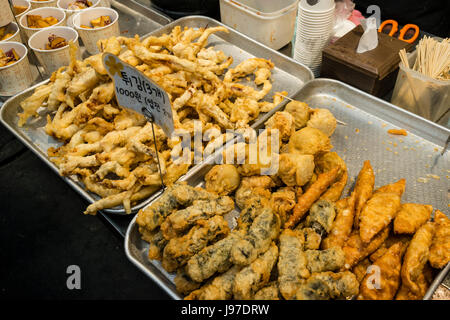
(417, 156)
(288, 75)
(134, 18)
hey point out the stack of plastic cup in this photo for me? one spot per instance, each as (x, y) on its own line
(315, 21)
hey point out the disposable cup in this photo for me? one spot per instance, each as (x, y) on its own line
(42, 4)
(17, 76)
(53, 59)
(6, 15)
(13, 28)
(319, 7)
(44, 13)
(91, 36)
(64, 4)
(23, 3)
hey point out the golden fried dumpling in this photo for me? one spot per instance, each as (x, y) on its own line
(323, 120)
(222, 179)
(309, 141)
(300, 111)
(284, 122)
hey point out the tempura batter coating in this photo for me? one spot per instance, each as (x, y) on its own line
(212, 259)
(356, 250)
(255, 276)
(323, 120)
(179, 221)
(295, 169)
(183, 283)
(363, 189)
(389, 271)
(360, 269)
(291, 263)
(342, 225)
(416, 257)
(264, 229)
(321, 217)
(220, 288)
(410, 217)
(328, 285)
(222, 179)
(179, 250)
(253, 187)
(440, 248)
(309, 141)
(325, 260)
(282, 202)
(269, 292)
(307, 199)
(300, 111)
(380, 210)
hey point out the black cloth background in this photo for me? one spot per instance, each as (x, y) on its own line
(432, 16)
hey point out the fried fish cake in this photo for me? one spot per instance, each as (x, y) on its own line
(363, 189)
(416, 257)
(410, 217)
(389, 266)
(440, 248)
(380, 210)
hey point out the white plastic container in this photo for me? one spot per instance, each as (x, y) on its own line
(267, 21)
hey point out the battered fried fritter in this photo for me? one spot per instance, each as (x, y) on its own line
(183, 283)
(321, 217)
(179, 250)
(380, 210)
(389, 276)
(282, 202)
(356, 250)
(264, 229)
(416, 257)
(295, 169)
(342, 225)
(179, 221)
(284, 122)
(361, 268)
(389, 242)
(363, 189)
(440, 248)
(323, 120)
(212, 259)
(253, 187)
(309, 141)
(423, 282)
(222, 179)
(312, 238)
(255, 276)
(253, 209)
(328, 285)
(269, 292)
(175, 196)
(300, 111)
(291, 263)
(220, 288)
(411, 216)
(325, 260)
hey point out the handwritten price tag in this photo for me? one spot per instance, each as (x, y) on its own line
(135, 91)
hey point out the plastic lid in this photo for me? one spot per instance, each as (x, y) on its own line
(265, 7)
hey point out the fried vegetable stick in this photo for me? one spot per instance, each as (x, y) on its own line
(291, 263)
(264, 229)
(342, 225)
(416, 257)
(335, 191)
(328, 285)
(440, 248)
(220, 288)
(423, 281)
(212, 259)
(380, 210)
(255, 276)
(356, 250)
(363, 189)
(306, 200)
(411, 217)
(389, 276)
(179, 250)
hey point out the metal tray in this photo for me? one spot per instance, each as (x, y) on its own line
(288, 75)
(416, 156)
(134, 18)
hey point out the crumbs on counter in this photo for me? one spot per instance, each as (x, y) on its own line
(398, 132)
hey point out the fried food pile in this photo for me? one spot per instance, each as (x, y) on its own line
(111, 149)
(19, 9)
(37, 21)
(99, 22)
(292, 235)
(4, 34)
(8, 57)
(55, 42)
(79, 4)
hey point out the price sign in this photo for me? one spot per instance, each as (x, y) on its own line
(135, 91)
